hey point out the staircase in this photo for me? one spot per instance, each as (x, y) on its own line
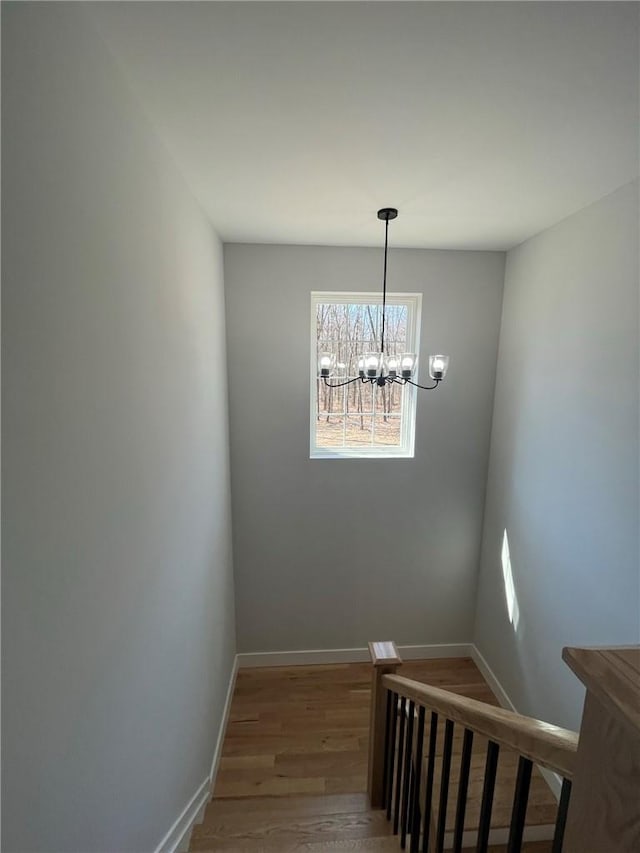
(305, 823)
(436, 803)
(445, 771)
(283, 824)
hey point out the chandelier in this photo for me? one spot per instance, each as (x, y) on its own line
(379, 368)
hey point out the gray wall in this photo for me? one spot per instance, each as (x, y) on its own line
(330, 553)
(563, 477)
(117, 596)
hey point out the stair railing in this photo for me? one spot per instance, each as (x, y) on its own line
(402, 772)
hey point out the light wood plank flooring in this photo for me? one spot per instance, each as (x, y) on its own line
(294, 761)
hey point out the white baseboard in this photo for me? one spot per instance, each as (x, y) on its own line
(357, 655)
(553, 780)
(440, 650)
(492, 680)
(177, 838)
(217, 752)
(302, 658)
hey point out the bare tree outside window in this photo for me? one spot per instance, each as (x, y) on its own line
(359, 415)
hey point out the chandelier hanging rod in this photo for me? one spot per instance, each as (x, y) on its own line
(385, 213)
(378, 368)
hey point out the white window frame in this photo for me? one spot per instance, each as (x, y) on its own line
(406, 448)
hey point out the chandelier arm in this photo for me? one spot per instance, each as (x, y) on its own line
(388, 380)
(339, 384)
(425, 387)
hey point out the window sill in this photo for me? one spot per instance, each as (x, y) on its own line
(361, 454)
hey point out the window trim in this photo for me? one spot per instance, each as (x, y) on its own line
(406, 449)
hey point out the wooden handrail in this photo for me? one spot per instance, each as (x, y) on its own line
(545, 744)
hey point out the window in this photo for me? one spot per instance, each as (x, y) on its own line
(360, 419)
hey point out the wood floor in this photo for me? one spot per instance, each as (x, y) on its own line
(294, 761)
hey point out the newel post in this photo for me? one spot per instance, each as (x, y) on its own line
(604, 809)
(386, 660)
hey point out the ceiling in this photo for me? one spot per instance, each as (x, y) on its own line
(484, 123)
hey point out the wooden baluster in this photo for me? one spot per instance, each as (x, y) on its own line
(406, 787)
(463, 786)
(396, 808)
(444, 784)
(428, 838)
(387, 741)
(385, 659)
(392, 753)
(561, 819)
(520, 802)
(488, 789)
(415, 811)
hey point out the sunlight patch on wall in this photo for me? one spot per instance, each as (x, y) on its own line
(509, 587)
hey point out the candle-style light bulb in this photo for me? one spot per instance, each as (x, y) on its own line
(371, 363)
(325, 362)
(392, 365)
(408, 364)
(438, 365)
